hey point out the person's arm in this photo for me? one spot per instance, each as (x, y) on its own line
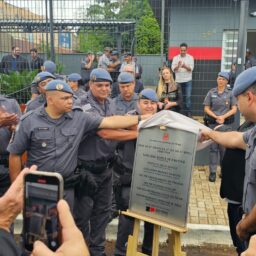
(189, 66)
(226, 139)
(247, 225)
(120, 122)
(12, 201)
(221, 119)
(15, 166)
(209, 112)
(113, 65)
(120, 135)
(175, 64)
(72, 239)
(251, 251)
(7, 119)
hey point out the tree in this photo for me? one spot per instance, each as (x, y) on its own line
(148, 35)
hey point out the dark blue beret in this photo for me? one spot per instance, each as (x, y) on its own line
(127, 54)
(42, 76)
(100, 75)
(50, 66)
(244, 81)
(125, 78)
(224, 75)
(148, 94)
(74, 77)
(58, 85)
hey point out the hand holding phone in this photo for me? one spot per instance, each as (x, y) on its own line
(7, 119)
(42, 192)
(12, 201)
(72, 239)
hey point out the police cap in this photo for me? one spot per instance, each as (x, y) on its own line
(49, 66)
(58, 85)
(74, 77)
(114, 52)
(125, 78)
(100, 75)
(224, 75)
(99, 53)
(244, 81)
(42, 76)
(148, 94)
(127, 54)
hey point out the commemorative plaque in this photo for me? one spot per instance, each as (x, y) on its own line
(162, 174)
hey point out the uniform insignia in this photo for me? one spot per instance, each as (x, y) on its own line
(86, 107)
(59, 87)
(44, 144)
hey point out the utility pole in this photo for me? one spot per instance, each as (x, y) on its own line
(241, 46)
(162, 31)
(242, 35)
(51, 30)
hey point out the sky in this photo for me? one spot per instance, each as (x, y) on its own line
(63, 9)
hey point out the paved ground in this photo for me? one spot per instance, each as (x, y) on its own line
(206, 206)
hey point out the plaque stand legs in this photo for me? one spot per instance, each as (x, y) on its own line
(174, 237)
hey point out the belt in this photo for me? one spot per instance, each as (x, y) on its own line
(121, 169)
(97, 166)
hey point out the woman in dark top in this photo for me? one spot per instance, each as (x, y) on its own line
(168, 92)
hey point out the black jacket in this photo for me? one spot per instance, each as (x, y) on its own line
(233, 171)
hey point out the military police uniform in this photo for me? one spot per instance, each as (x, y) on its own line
(77, 78)
(10, 106)
(96, 156)
(52, 144)
(220, 103)
(122, 185)
(123, 106)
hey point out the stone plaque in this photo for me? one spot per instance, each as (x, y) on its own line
(162, 174)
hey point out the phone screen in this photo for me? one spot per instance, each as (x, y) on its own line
(40, 211)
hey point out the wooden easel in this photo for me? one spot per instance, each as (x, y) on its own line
(174, 236)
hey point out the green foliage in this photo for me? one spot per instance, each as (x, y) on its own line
(95, 41)
(15, 81)
(148, 36)
(147, 30)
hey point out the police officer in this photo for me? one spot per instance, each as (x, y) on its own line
(40, 81)
(147, 103)
(220, 108)
(245, 92)
(96, 156)
(9, 117)
(127, 99)
(73, 80)
(51, 135)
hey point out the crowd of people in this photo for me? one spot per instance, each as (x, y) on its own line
(84, 126)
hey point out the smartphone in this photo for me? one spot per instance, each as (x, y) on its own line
(42, 191)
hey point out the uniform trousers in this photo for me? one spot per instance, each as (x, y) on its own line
(92, 213)
(125, 228)
(217, 151)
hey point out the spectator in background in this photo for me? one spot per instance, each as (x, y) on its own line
(138, 84)
(182, 66)
(98, 55)
(220, 108)
(114, 71)
(138, 68)
(250, 60)
(232, 75)
(73, 81)
(36, 62)
(168, 92)
(13, 62)
(87, 67)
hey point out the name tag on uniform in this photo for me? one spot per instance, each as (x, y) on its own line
(86, 107)
(214, 96)
(43, 128)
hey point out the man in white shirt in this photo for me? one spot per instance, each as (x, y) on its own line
(182, 66)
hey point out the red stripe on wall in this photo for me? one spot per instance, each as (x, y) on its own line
(199, 53)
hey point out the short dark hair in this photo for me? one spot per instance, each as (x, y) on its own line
(183, 45)
(33, 50)
(13, 47)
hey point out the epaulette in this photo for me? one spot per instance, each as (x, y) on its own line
(26, 115)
